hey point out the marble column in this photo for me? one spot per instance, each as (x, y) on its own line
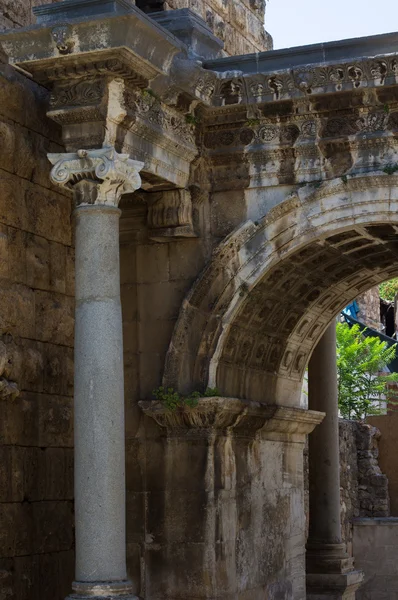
(329, 568)
(98, 178)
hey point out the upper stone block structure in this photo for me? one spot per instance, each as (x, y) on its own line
(238, 23)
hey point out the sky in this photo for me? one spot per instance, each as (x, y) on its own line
(298, 23)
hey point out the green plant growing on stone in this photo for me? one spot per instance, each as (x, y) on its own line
(390, 169)
(148, 92)
(192, 119)
(211, 393)
(361, 380)
(389, 289)
(344, 179)
(316, 184)
(252, 122)
(173, 400)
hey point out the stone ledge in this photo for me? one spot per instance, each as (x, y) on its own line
(242, 418)
(373, 521)
(333, 585)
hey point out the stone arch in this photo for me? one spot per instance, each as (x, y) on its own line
(251, 320)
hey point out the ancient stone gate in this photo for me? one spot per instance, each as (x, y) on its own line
(258, 196)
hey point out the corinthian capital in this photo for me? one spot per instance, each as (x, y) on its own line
(96, 176)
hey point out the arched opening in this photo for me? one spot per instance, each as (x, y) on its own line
(250, 323)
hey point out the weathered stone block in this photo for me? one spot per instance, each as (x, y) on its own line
(17, 241)
(55, 426)
(33, 363)
(54, 318)
(48, 214)
(18, 311)
(57, 370)
(129, 302)
(58, 267)
(38, 262)
(25, 155)
(186, 259)
(3, 251)
(155, 336)
(135, 465)
(136, 529)
(160, 299)
(13, 210)
(153, 263)
(7, 588)
(70, 271)
(150, 373)
(49, 536)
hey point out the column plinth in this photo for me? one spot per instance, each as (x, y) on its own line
(330, 571)
(98, 178)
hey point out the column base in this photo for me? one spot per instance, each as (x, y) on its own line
(333, 586)
(102, 590)
(328, 558)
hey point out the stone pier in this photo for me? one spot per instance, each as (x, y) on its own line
(330, 571)
(98, 178)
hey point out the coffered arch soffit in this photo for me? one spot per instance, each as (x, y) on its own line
(252, 319)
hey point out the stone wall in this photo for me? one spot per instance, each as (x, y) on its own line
(364, 488)
(376, 549)
(18, 13)
(388, 456)
(369, 308)
(239, 23)
(36, 354)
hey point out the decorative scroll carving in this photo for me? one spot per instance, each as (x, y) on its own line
(78, 93)
(170, 215)
(96, 176)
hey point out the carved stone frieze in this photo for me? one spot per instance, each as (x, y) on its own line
(305, 80)
(96, 176)
(170, 215)
(78, 93)
(158, 115)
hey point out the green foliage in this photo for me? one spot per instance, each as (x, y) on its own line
(191, 119)
(360, 361)
(344, 179)
(174, 400)
(388, 289)
(211, 392)
(390, 169)
(252, 122)
(148, 92)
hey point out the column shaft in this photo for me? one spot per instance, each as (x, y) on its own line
(99, 399)
(324, 460)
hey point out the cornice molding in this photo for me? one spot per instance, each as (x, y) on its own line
(241, 418)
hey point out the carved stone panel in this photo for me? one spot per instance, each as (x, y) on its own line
(170, 215)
